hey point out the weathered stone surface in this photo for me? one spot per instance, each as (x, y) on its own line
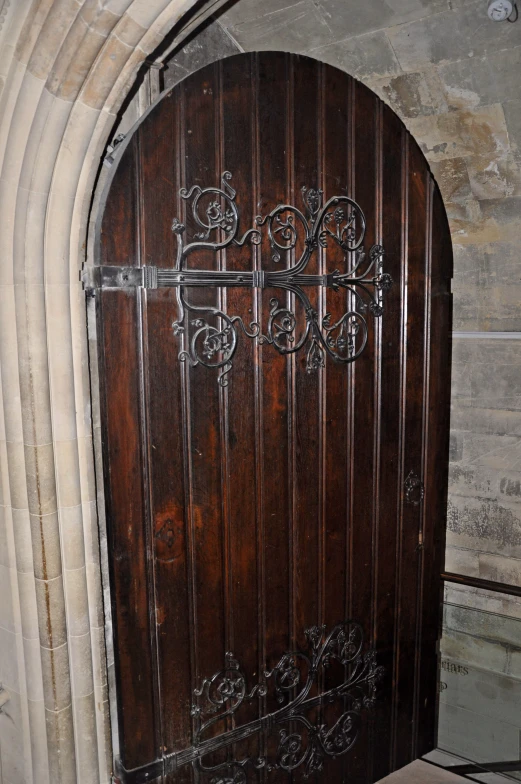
(484, 509)
(485, 420)
(412, 94)
(470, 82)
(210, 44)
(361, 57)
(502, 569)
(493, 370)
(473, 736)
(487, 287)
(485, 525)
(453, 179)
(512, 111)
(469, 649)
(374, 14)
(299, 28)
(475, 481)
(455, 34)
(246, 10)
(461, 560)
(462, 133)
(493, 176)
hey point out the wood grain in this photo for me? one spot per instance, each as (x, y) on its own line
(240, 516)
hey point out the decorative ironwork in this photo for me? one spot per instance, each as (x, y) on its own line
(305, 739)
(210, 335)
(303, 743)
(414, 489)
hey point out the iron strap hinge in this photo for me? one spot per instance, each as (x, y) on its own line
(150, 277)
(105, 277)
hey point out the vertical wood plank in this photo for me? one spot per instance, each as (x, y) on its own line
(390, 435)
(160, 204)
(365, 416)
(436, 471)
(410, 565)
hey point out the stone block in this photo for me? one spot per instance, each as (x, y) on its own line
(299, 28)
(471, 481)
(462, 133)
(473, 622)
(501, 569)
(238, 13)
(485, 693)
(512, 110)
(87, 751)
(487, 287)
(461, 561)
(364, 17)
(56, 678)
(50, 605)
(505, 211)
(361, 57)
(60, 745)
(420, 772)
(493, 177)
(453, 179)
(13, 736)
(5, 559)
(460, 650)
(9, 675)
(484, 525)
(485, 420)
(501, 453)
(41, 486)
(470, 82)
(413, 94)
(455, 446)
(454, 34)
(487, 741)
(487, 373)
(38, 742)
(46, 547)
(489, 601)
(210, 44)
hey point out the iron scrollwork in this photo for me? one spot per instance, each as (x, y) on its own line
(210, 335)
(304, 742)
(414, 489)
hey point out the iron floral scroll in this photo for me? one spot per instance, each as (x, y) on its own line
(305, 739)
(210, 335)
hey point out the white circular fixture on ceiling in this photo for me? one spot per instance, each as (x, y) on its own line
(499, 10)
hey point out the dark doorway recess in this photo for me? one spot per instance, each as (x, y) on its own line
(274, 319)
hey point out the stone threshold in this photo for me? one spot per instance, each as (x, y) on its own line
(419, 772)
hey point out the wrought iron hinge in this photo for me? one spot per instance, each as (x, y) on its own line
(209, 336)
(108, 160)
(105, 277)
(295, 680)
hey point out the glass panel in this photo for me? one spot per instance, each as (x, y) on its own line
(480, 685)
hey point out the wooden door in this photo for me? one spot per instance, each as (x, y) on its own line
(274, 318)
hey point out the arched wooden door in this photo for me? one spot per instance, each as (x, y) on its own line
(275, 429)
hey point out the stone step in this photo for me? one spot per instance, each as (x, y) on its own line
(419, 772)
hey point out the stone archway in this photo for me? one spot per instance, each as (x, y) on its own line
(67, 67)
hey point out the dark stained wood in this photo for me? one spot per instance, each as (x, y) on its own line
(239, 516)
